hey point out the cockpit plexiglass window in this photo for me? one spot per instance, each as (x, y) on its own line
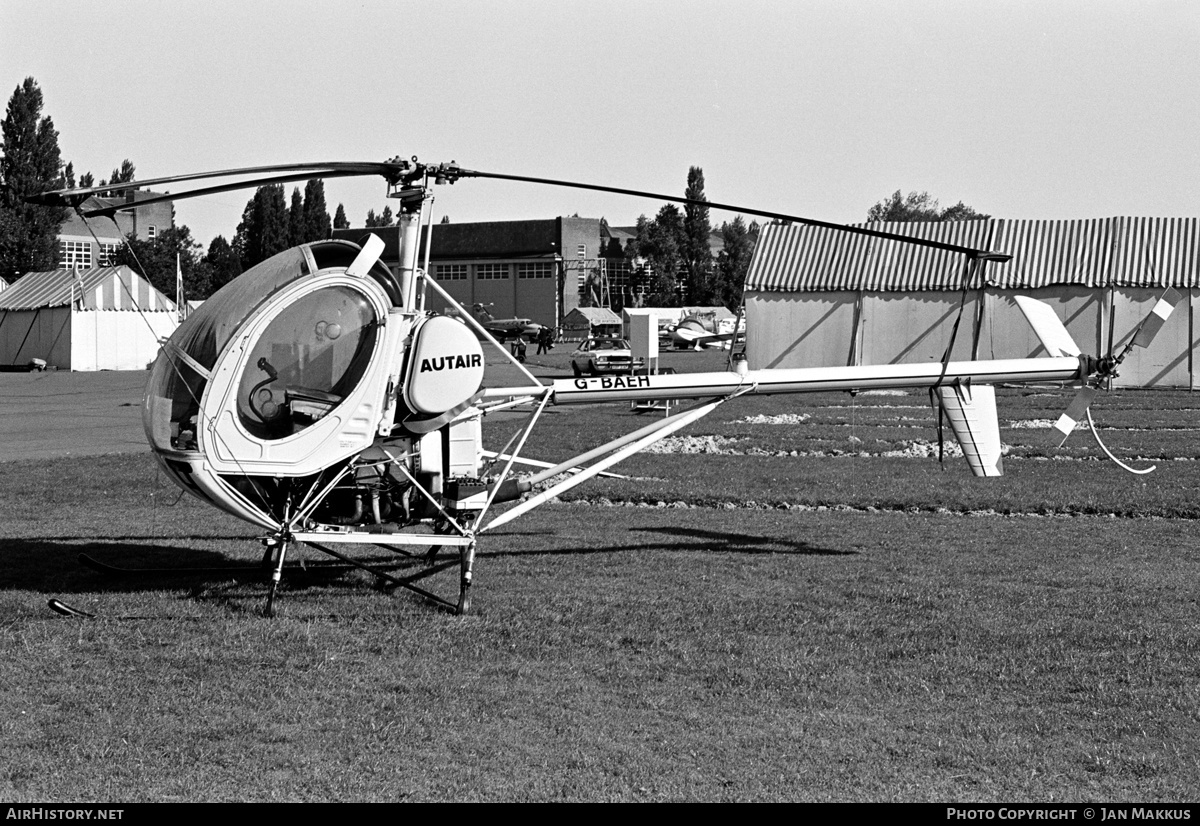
(309, 358)
(173, 402)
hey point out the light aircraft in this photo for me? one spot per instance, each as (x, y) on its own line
(315, 397)
(507, 328)
(698, 331)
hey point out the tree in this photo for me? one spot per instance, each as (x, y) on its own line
(962, 212)
(733, 261)
(697, 256)
(920, 206)
(607, 247)
(296, 219)
(155, 261)
(263, 231)
(316, 214)
(31, 163)
(340, 221)
(612, 249)
(86, 179)
(661, 242)
(121, 175)
(383, 219)
(124, 174)
(223, 263)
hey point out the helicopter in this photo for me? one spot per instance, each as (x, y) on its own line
(316, 398)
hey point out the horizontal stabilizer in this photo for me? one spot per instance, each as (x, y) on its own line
(972, 415)
(1049, 329)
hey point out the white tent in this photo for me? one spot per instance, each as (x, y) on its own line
(105, 318)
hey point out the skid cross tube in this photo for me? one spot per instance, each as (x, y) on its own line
(399, 582)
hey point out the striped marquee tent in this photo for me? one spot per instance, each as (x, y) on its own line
(832, 298)
(106, 318)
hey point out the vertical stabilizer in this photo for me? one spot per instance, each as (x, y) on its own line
(972, 415)
(1049, 329)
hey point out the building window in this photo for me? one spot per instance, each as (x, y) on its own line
(73, 254)
(450, 272)
(582, 250)
(108, 255)
(151, 231)
(492, 272)
(541, 269)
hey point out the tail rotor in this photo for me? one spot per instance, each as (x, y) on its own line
(1096, 372)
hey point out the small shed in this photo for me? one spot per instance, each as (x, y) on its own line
(584, 322)
(105, 318)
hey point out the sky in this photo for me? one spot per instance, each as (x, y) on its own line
(1018, 108)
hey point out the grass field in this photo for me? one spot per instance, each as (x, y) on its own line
(773, 609)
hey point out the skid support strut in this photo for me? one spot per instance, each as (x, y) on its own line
(281, 545)
(467, 561)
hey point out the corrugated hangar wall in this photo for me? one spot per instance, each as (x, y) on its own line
(817, 297)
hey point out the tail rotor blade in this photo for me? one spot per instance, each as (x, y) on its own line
(1076, 412)
(1157, 318)
(1057, 341)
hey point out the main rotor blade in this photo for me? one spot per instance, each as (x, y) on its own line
(333, 169)
(212, 190)
(396, 170)
(812, 222)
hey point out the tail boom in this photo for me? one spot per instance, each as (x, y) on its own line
(809, 380)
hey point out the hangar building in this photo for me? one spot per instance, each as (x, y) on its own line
(530, 269)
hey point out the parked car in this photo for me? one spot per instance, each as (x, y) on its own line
(603, 355)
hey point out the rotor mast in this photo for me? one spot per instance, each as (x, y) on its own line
(412, 192)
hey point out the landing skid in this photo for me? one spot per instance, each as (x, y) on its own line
(272, 568)
(277, 547)
(462, 606)
(463, 540)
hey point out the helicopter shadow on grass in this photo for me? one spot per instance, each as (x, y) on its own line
(53, 564)
(674, 538)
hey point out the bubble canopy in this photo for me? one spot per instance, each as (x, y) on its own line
(309, 356)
